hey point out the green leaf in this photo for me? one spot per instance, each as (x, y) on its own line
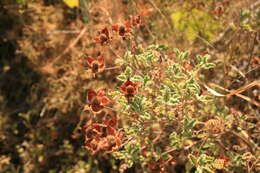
(209, 159)
(175, 140)
(185, 55)
(121, 77)
(152, 46)
(129, 163)
(119, 155)
(208, 145)
(199, 170)
(208, 169)
(137, 104)
(146, 115)
(137, 78)
(122, 101)
(128, 56)
(114, 93)
(26, 116)
(205, 98)
(128, 71)
(188, 167)
(166, 156)
(177, 52)
(193, 159)
(188, 124)
(209, 65)
(158, 151)
(22, 2)
(162, 47)
(119, 61)
(157, 47)
(206, 58)
(175, 71)
(83, 4)
(166, 94)
(173, 101)
(194, 88)
(186, 133)
(202, 135)
(149, 57)
(147, 81)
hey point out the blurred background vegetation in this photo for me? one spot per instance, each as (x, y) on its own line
(44, 78)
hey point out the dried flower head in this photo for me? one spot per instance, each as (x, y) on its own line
(129, 88)
(125, 28)
(122, 29)
(218, 10)
(96, 64)
(137, 21)
(188, 67)
(103, 37)
(255, 61)
(103, 137)
(214, 126)
(158, 166)
(97, 100)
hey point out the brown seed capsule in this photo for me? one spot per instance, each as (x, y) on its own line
(214, 126)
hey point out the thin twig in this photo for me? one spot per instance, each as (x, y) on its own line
(71, 45)
(241, 89)
(249, 142)
(111, 49)
(257, 67)
(112, 68)
(239, 72)
(160, 12)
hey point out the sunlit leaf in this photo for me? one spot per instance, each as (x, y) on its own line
(192, 159)
(128, 71)
(71, 3)
(122, 77)
(137, 78)
(21, 1)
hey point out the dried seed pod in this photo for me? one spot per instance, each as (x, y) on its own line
(214, 126)
(221, 162)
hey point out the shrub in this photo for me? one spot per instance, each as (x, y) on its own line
(163, 118)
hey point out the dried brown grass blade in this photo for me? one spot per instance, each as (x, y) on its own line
(239, 95)
(240, 90)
